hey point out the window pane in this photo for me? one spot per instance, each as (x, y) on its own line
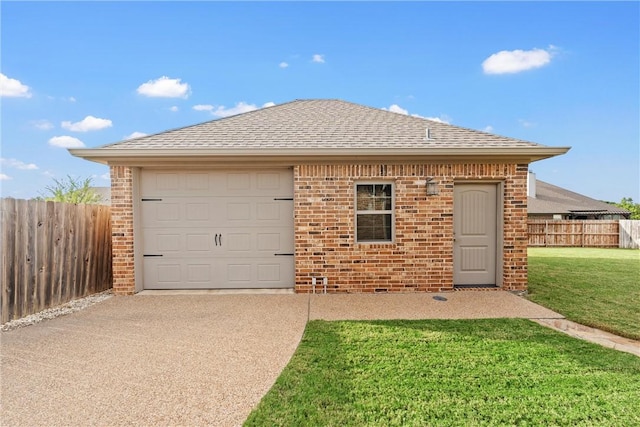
(373, 227)
(374, 197)
(364, 196)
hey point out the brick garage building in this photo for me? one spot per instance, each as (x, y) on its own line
(319, 191)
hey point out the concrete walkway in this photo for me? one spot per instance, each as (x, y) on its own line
(593, 335)
(194, 359)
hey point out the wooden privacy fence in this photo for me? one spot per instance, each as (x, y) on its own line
(584, 233)
(630, 233)
(52, 253)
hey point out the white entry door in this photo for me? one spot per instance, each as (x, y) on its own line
(220, 229)
(475, 234)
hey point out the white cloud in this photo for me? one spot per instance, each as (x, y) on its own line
(395, 108)
(283, 65)
(515, 61)
(174, 108)
(203, 107)
(106, 176)
(443, 118)
(4, 177)
(66, 142)
(17, 164)
(164, 87)
(318, 58)
(526, 123)
(240, 107)
(488, 128)
(13, 88)
(135, 135)
(42, 124)
(87, 124)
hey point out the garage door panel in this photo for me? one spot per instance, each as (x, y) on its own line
(173, 183)
(256, 241)
(217, 229)
(222, 211)
(216, 183)
(256, 211)
(229, 242)
(260, 273)
(201, 273)
(167, 273)
(171, 212)
(178, 242)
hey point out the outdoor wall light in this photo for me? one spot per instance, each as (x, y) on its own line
(432, 187)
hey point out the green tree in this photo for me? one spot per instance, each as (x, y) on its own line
(72, 190)
(628, 204)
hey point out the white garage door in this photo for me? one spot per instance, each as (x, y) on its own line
(221, 229)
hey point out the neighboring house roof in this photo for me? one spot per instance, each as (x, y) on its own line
(319, 127)
(551, 199)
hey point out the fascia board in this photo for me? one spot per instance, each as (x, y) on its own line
(301, 155)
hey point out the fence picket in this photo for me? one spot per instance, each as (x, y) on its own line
(8, 249)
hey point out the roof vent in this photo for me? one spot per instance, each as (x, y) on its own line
(428, 134)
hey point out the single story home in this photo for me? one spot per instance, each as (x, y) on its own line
(548, 201)
(324, 192)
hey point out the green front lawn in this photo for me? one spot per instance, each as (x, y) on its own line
(450, 372)
(594, 287)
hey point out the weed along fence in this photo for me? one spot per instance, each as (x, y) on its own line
(52, 253)
(584, 233)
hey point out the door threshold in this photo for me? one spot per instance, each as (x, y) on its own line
(474, 287)
(260, 291)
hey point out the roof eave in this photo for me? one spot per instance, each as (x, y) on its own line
(148, 156)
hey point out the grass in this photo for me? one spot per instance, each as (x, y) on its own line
(450, 372)
(594, 287)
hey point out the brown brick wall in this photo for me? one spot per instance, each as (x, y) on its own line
(421, 257)
(122, 230)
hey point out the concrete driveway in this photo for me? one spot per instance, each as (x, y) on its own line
(198, 359)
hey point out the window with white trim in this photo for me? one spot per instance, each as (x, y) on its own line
(374, 212)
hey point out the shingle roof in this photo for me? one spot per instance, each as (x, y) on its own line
(320, 123)
(551, 199)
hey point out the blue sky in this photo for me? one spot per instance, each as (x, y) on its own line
(93, 73)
